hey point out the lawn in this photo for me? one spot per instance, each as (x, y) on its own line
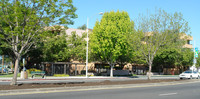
(8, 75)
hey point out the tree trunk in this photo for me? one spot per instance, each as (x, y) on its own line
(12, 67)
(149, 74)
(14, 80)
(111, 70)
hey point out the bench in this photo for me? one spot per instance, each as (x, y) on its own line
(42, 73)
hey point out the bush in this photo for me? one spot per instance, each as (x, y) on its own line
(61, 75)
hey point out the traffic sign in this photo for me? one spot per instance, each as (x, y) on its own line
(196, 52)
(196, 49)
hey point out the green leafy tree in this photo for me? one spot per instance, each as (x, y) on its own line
(64, 48)
(157, 31)
(173, 58)
(56, 49)
(77, 46)
(26, 20)
(83, 27)
(198, 61)
(1, 52)
(109, 38)
(168, 58)
(188, 56)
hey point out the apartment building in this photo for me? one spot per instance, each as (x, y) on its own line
(188, 40)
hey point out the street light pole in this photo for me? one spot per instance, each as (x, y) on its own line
(87, 50)
(194, 60)
(86, 71)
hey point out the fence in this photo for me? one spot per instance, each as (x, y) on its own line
(69, 68)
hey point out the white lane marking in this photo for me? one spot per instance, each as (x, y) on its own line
(167, 94)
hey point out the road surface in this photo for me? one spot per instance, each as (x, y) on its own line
(183, 90)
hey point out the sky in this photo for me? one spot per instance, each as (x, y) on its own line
(91, 9)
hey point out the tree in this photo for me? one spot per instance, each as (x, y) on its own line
(56, 49)
(198, 61)
(77, 46)
(109, 38)
(188, 56)
(83, 27)
(156, 31)
(174, 58)
(168, 58)
(63, 47)
(27, 19)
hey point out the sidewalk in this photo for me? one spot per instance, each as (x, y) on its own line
(61, 78)
(6, 81)
(91, 77)
(71, 79)
(94, 77)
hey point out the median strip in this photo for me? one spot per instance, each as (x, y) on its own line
(106, 87)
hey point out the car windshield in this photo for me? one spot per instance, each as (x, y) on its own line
(188, 72)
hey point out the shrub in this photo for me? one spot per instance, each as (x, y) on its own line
(61, 75)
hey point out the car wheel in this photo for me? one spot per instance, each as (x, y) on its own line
(181, 78)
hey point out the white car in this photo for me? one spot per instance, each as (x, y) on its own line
(189, 74)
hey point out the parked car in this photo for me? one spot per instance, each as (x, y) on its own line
(189, 74)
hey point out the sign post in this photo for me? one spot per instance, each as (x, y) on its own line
(23, 64)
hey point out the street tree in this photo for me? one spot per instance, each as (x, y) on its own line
(156, 31)
(109, 38)
(27, 19)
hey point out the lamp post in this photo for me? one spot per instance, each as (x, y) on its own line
(101, 13)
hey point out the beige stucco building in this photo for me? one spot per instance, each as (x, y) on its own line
(188, 40)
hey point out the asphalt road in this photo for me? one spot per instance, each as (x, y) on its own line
(184, 90)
